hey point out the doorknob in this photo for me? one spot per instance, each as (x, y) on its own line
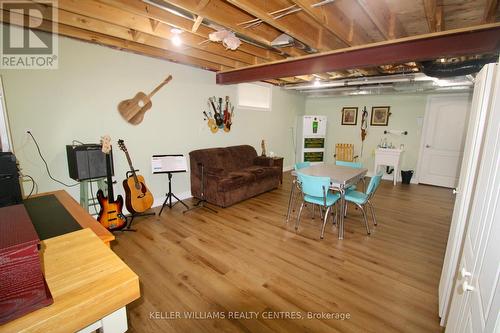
(467, 287)
(427, 146)
(455, 191)
(464, 273)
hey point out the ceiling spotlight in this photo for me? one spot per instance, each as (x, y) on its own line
(176, 38)
(317, 82)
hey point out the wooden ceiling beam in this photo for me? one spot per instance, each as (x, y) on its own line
(383, 18)
(105, 40)
(490, 11)
(90, 13)
(308, 34)
(226, 15)
(459, 42)
(334, 22)
(140, 8)
(430, 8)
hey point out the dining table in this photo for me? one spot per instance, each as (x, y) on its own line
(341, 177)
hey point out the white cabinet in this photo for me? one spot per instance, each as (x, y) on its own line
(388, 157)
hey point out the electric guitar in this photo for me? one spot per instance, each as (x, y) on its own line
(110, 215)
(138, 198)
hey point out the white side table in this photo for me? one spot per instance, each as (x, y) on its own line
(388, 157)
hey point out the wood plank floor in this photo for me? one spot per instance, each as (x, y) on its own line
(246, 259)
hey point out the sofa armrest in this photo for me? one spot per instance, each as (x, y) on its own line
(210, 171)
(263, 161)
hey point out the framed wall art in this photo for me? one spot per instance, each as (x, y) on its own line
(349, 115)
(380, 116)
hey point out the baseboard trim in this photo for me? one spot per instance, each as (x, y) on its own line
(288, 168)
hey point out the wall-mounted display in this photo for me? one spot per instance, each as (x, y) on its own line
(349, 115)
(222, 117)
(380, 116)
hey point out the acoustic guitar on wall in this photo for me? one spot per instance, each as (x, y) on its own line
(110, 215)
(133, 110)
(138, 198)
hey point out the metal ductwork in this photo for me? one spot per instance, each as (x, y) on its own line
(440, 69)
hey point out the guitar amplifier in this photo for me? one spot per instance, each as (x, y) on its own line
(23, 288)
(87, 161)
(10, 188)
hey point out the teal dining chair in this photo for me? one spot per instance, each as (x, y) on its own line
(361, 199)
(316, 191)
(295, 190)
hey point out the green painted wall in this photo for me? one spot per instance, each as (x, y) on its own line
(78, 102)
(405, 110)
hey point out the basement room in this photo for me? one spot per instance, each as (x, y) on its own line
(249, 166)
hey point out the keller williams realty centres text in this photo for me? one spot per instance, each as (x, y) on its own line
(268, 315)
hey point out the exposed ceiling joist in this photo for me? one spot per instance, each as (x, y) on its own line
(332, 21)
(138, 7)
(459, 42)
(490, 11)
(383, 18)
(139, 31)
(306, 33)
(102, 39)
(430, 7)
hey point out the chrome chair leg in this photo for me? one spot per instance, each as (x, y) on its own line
(291, 202)
(373, 212)
(345, 209)
(324, 222)
(313, 206)
(364, 218)
(298, 216)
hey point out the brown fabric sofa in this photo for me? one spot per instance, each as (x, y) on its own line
(231, 174)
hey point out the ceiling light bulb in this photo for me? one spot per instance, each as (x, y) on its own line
(317, 83)
(176, 40)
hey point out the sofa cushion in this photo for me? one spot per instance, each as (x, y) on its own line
(241, 156)
(261, 172)
(235, 179)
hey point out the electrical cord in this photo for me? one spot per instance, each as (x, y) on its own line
(46, 165)
(33, 184)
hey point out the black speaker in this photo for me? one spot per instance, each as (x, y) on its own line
(10, 188)
(87, 162)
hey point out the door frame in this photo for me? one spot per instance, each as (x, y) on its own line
(425, 126)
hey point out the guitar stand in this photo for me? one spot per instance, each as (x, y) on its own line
(201, 202)
(171, 195)
(132, 216)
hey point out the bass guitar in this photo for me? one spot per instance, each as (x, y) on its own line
(110, 215)
(138, 198)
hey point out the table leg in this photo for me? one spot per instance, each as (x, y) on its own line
(342, 212)
(395, 175)
(290, 201)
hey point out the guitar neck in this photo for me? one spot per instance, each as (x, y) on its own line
(109, 178)
(132, 170)
(155, 90)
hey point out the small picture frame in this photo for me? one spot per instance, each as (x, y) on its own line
(349, 115)
(380, 115)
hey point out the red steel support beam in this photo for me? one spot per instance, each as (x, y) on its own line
(478, 40)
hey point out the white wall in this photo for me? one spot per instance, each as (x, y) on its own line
(78, 102)
(405, 110)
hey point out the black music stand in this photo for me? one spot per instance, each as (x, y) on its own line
(169, 164)
(201, 202)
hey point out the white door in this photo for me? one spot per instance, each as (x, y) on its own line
(474, 139)
(443, 139)
(476, 296)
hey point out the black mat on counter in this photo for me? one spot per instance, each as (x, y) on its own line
(49, 217)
